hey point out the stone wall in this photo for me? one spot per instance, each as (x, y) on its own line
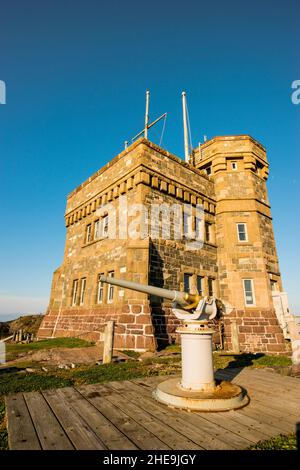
(133, 325)
(258, 331)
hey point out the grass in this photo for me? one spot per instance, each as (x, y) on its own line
(14, 350)
(281, 442)
(222, 360)
(133, 354)
(17, 380)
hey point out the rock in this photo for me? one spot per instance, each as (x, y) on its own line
(295, 370)
(73, 366)
(146, 355)
(61, 366)
(44, 369)
(28, 369)
(120, 359)
(66, 367)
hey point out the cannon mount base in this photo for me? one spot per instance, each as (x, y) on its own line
(224, 397)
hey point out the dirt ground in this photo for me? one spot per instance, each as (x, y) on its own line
(66, 356)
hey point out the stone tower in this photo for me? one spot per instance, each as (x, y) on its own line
(237, 261)
(248, 268)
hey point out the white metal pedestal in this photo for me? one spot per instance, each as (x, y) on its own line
(197, 389)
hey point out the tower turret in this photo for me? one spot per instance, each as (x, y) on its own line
(246, 252)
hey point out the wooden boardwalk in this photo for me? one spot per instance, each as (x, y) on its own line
(123, 415)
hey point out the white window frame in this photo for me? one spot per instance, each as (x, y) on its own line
(252, 292)
(111, 289)
(74, 292)
(88, 233)
(187, 224)
(97, 229)
(238, 233)
(100, 289)
(104, 226)
(82, 290)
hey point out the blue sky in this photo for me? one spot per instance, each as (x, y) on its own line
(76, 74)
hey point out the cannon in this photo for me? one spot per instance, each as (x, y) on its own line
(183, 302)
(197, 388)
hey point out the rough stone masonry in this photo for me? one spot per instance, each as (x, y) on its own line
(237, 263)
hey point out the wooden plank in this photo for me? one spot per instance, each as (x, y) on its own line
(260, 384)
(111, 437)
(166, 434)
(279, 381)
(285, 379)
(260, 388)
(291, 384)
(276, 413)
(271, 381)
(223, 438)
(77, 430)
(140, 427)
(48, 429)
(274, 402)
(21, 432)
(266, 426)
(197, 419)
(256, 424)
(255, 409)
(175, 419)
(278, 425)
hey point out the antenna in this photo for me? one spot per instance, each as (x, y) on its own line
(147, 125)
(185, 128)
(147, 115)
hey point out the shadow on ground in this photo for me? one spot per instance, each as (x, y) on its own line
(240, 361)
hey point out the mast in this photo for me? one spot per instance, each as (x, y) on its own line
(147, 115)
(185, 128)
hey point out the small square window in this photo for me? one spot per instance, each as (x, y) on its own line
(187, 282)
(249, 292)
(187, 225)
(207, 232)
(234, 165)
(82, 291)
(100, 290)
(104, 226)
(74, 292)
(208, 170)
(242, 232)
(274, 285)
(97, 229)
(88, 233)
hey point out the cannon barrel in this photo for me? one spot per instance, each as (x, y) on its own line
(183, 299)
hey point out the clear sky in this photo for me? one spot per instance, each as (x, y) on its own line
(76, 74)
